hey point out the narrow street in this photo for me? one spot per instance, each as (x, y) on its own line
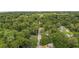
(39, 38)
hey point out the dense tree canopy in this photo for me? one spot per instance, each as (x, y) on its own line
(20, 29)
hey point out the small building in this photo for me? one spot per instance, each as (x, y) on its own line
(66, 31)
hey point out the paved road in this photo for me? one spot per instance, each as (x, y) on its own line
(39, 37)
(50, 45)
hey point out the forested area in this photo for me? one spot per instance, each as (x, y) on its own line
(20, 29)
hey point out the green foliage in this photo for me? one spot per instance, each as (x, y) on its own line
(20, 29)
(61, 41)
(2, 44)
(45, 40)
(73, 42)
